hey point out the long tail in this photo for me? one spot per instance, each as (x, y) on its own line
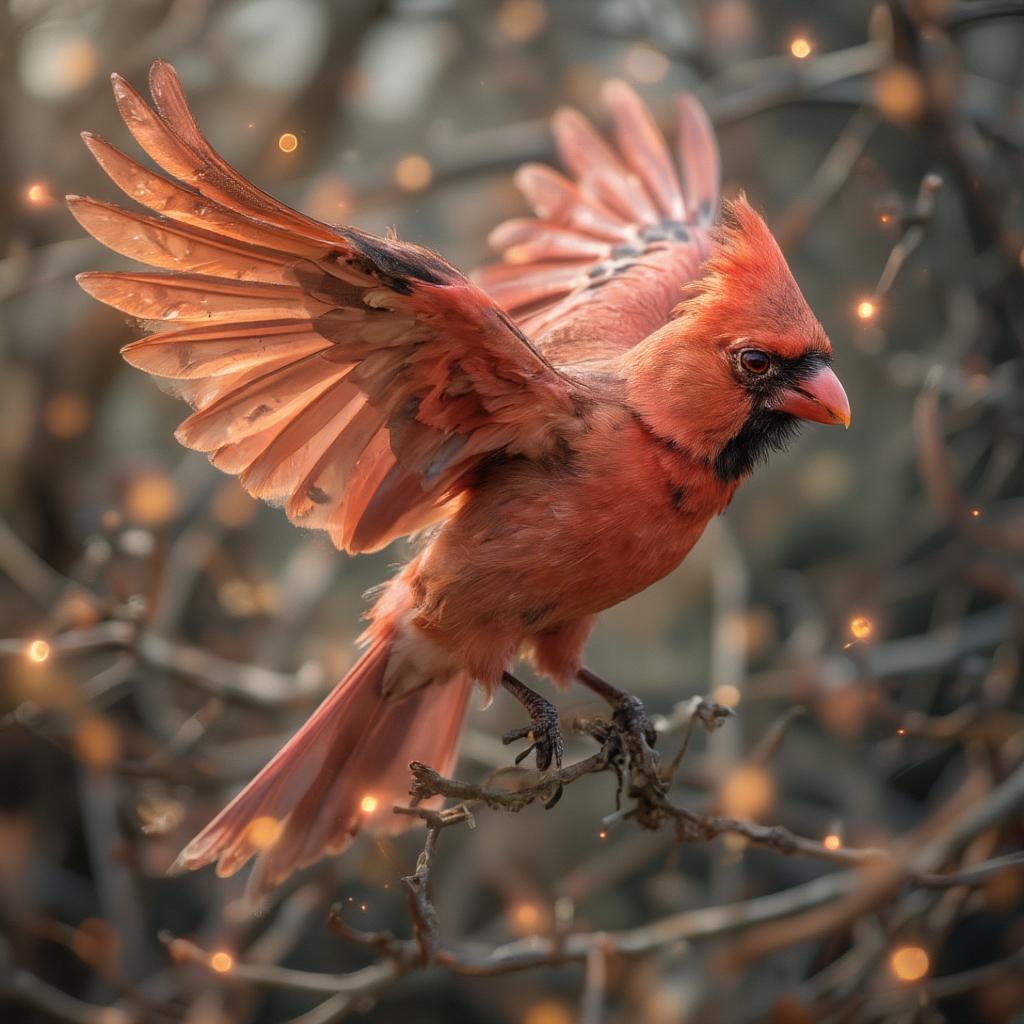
(341, 772)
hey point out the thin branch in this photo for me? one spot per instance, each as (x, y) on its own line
(913, 234)
(23, 987)
(976, 874)
(828, 180)
(232, 680)
(536, 951)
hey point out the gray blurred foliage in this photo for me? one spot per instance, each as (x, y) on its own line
(192, 630)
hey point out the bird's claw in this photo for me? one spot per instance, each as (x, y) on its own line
(544, 733)
(641, 736)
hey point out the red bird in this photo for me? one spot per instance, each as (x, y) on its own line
(559, 432)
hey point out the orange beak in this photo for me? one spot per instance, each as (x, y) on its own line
(820, 398)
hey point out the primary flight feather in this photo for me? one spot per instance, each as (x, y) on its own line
(567, 422)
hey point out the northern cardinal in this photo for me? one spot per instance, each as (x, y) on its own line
(558, 432)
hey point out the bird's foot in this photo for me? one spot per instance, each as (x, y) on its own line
(637, 729)
(544, 731)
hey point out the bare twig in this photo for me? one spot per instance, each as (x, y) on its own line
(223, 678)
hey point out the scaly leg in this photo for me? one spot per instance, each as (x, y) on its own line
(629, 713)
(544, 731)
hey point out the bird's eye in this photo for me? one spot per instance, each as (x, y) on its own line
(753, 360)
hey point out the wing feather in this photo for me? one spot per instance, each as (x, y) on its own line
(162, 243)
(213, 351)
(358, 380)
(176, 202)
(643, 146)
(698, 159)
(609, 253)
(192, 298)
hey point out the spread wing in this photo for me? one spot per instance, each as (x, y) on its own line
(605, 259)
(357, 380)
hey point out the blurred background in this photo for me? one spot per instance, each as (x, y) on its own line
(860, 604)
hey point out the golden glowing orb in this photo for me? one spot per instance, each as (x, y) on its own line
(909, 963)
(861, 627)
(151, 499)
(37, 194)
(413, 172)
(801, 47)
(66, 415)
(368, 804)
(832, 842)
(548, 1011)
(288, 142)
(97, 742)
(525, 917)
(726, 694)
(38, 651)
(866, 309)
(747, 792)
(521, 20)
(264, 831)
(222, 961)
(899, 93)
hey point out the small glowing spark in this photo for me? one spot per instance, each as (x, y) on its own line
(38, 651)
(975, 513)
(368, 804)
(901, 731)
(288, 142)
(222, 962)
(362, 906)
(909, 963)
(861, 627)
(801, 47)
(866, 309)
(832, 842)
(602, 834)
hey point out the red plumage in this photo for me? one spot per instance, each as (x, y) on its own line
(568, 421)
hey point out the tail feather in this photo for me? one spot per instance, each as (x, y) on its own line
(309, 800)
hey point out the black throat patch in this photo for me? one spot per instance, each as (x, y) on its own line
(766, 430)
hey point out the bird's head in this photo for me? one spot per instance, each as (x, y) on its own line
(743, 360)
